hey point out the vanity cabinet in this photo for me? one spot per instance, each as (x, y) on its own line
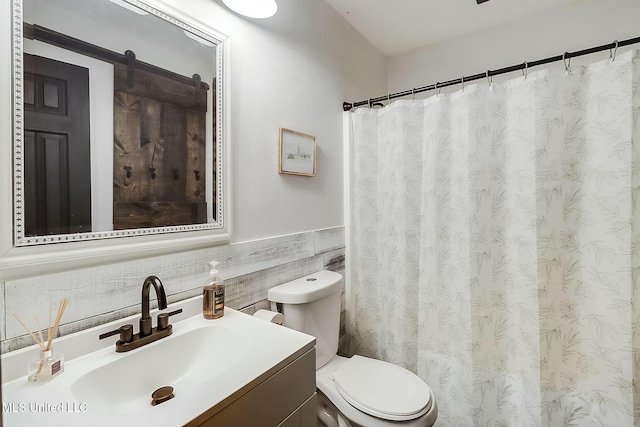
(305, 415)
(234, 371)
(285, 397)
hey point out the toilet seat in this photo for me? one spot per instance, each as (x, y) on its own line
(381, 389)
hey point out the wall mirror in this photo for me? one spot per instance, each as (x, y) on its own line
(119, 128)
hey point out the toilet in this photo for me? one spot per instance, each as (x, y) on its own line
(356, 391)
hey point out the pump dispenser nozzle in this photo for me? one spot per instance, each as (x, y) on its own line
(213, 295)
(213, 273)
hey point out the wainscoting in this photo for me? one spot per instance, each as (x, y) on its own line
(105, 293)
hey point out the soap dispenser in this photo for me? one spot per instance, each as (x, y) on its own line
(213, 295)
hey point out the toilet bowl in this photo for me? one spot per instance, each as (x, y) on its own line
(403, 397)
(356, 391)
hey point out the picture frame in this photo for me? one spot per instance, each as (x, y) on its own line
(296, 153)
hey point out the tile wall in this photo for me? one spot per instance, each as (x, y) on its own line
(105, 293)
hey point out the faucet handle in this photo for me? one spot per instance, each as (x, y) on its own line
(125, 331)
(163, 319)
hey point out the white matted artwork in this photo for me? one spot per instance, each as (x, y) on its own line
(297, 153)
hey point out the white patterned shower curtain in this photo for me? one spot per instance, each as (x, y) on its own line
(494, 246)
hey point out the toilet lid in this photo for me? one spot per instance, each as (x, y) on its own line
(381, 389)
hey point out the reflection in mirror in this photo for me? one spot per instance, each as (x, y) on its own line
(122, 123)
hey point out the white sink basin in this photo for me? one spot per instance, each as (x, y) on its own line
(209, 363)
(183, 362)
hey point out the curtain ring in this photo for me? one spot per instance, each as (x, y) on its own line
(525, 70)
(413, 95)
(438, 90)
(567, 61)
(489, 78)
(612, 55)
(462, 82)
(369, 102)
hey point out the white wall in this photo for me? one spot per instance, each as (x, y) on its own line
(580, 25)
(152, 39)
(293, 70)
(296, 70)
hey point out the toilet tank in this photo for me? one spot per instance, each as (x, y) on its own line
(311, 304)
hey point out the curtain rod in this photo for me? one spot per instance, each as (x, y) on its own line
(490, 73)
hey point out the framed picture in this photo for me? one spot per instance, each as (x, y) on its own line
(297, 153)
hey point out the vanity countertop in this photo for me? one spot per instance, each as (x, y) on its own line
(210, 378)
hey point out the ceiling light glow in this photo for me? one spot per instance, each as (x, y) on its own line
(199, 39)
(253, 8)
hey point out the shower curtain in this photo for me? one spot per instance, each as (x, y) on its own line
(494, 246)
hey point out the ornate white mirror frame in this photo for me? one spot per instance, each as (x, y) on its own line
(22, 255)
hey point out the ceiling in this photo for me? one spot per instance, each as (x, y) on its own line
(398, 26)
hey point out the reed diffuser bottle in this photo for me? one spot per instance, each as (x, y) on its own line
(49, 364)
(213, 295)
(46, 367)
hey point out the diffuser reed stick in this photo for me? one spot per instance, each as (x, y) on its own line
(39, 328)
(46, 365)
(39, 342)
(51, 330)
(61, 309)
(49, 324)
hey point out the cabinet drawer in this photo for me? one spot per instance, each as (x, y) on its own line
(273, 400)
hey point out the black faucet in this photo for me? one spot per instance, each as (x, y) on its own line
(145, 320)
(128, 341)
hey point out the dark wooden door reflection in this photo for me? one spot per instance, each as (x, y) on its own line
(159, 150)
(57, 162)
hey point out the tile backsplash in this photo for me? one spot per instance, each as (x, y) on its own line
(104, 293)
